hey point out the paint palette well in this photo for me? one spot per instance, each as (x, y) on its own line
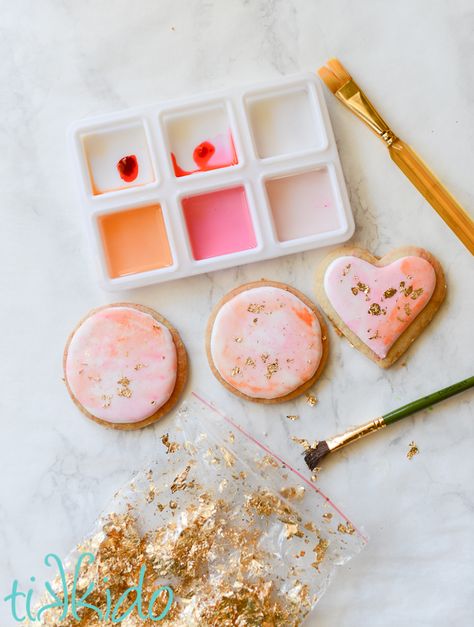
(303, 204)
(117, 158)
(210, 182)
(284, 123)
(135, 241)
(200, 140)
(219, 223)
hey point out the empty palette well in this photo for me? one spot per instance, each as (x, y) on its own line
(302, 204)
(135, 240)
(219, 223)
(283, 123)
(117, 158)
(200, 140)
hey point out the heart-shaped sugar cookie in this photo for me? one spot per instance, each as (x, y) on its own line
(381, 305)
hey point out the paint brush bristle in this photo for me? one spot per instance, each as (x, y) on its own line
(334, 75)
(314, 455)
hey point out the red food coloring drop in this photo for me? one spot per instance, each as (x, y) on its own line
(128, 168)
(203, 153)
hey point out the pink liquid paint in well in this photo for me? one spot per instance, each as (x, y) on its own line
(219, 223)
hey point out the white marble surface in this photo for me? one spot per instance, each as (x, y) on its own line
(66, 60)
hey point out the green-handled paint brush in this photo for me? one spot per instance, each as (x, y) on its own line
(314, 455)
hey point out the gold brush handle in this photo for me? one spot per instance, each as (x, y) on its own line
(434, 191)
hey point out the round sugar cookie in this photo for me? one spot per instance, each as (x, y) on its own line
(125, 366)
(266, 342)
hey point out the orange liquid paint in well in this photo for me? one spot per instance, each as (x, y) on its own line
(135, 241)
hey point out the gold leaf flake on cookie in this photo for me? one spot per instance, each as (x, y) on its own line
(376, 310)
(254, 308)
(107, 400)
(272, 369)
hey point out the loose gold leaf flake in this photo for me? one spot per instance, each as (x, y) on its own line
(268, 460)
(347, 528)
(150, 496)
(171, 447)
(376, 336)
(293, 417)
(293, 493)
(390, 292)
(139, 366)
(264, 357)
(235, 371)
(320, 551)
(327, 516)
(354, 290)
(250, 362)
(407, 309)
(311, 399)
(413, 450)
(179, 482)
(302, 442)
(124, 381)
(346, 269)
(292, 530)
(238, 340)
(228, 457)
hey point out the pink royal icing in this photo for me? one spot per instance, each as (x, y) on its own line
(265, 342)
(378, 304)
(121, 364)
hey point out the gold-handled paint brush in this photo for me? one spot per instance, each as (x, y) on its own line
(315, 454)
(342, 85)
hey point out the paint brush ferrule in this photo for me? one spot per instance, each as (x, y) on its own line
(351, 435)
(354, 99)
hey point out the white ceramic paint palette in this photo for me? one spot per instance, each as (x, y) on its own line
(204, 183)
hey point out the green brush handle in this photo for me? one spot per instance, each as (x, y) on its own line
(427, 401)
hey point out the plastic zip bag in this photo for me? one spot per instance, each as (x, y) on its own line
(216, 532)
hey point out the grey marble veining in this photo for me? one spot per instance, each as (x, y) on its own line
(62, 61)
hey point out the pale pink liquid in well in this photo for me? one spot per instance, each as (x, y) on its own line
(219, 223)
(302, 204)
